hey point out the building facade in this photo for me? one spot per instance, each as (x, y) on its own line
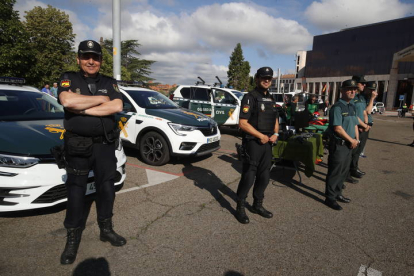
(383, 52)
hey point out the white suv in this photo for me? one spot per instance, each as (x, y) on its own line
(31, 123)
(221, 104)
(159, 128)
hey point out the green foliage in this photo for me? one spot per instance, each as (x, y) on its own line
(239, 70)
(16, 55)
(138, 69)
(51, 38)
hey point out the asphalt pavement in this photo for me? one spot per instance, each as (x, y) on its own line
(178, 220)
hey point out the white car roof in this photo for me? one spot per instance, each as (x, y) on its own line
(134, 88)
(18, 87)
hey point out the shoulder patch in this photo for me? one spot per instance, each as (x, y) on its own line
(64, 83)
(116, 87)
(246, 108)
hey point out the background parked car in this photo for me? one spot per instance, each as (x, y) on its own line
(159, 128)
(378, 107)
(31, 123)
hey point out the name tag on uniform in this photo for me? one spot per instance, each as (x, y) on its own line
(266, 99)
(345, 114)
(103, 91)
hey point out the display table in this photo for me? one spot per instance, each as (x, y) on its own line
(305, 152)
(316, 128)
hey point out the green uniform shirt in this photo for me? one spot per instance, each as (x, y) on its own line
(360, 105)
(313, 108)
(344, 117)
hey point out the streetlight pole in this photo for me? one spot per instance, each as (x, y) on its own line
(116, 38)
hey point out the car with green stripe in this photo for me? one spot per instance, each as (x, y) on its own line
(159, 128)
(219, 103)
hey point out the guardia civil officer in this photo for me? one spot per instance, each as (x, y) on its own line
(343, 133)
(363, 128)
(370, 94)
(90, 100)
(260, 125)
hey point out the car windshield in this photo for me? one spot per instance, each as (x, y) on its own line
(21, 105)
(151, 99)
(380, 104)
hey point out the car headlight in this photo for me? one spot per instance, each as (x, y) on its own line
(177, 128)
(17, 161)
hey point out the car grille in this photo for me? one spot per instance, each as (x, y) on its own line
(207, 147)
(56, 193)
(208, 131)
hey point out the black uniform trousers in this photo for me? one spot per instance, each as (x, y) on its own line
(363, 137)
(256, 169)
(103, 163)
(339, 160)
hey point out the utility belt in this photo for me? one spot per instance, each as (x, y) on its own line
(340, 142)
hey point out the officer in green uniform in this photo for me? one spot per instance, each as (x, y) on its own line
(311, 105)
(343, 132)
(370, 94)
(260, 125)
(291, 109)
(90, 100)
(363, 128)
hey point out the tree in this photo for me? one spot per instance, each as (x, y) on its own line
(51, 38)
(139, 69)
(239, 70)
(16, 56)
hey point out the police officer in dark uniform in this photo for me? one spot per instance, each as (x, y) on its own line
(363, 128)
(343, 139)
(90, 100)
(260, 125)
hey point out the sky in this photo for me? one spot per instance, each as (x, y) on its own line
(191, 38)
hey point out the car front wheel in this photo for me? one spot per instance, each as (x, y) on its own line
(154, 149)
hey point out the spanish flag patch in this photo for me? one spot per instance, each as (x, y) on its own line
(64, 83)
(246, 108)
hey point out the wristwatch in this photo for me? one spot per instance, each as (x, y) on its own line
(277, 134)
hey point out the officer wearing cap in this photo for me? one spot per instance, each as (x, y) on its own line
(343, 138)
(90, 101)
(370, 94)
(260, 125)
(363, 128)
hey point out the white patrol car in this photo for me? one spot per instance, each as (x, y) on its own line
(221, 104)
(159, 128)
(31, 123)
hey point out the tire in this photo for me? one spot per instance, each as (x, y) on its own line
(154, 149)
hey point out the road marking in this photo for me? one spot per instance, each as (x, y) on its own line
(368, 271)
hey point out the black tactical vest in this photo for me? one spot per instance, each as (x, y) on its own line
(265, 113)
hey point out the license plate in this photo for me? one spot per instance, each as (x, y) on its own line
(90, 188)
(212, 139)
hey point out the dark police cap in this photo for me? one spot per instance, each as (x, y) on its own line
(359, 79)
(349, 84)
(371, 85)
(89, 46)
(264, 72)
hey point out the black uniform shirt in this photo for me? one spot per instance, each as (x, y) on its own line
(83, 124)
(249, 108)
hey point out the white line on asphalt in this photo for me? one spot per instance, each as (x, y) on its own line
(368, 271)
(137, 188)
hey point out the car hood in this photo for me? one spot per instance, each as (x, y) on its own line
(30, 138)
(182, 116)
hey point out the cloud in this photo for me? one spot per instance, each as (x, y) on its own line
(333, 15)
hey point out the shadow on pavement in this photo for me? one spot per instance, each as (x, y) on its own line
(232, 273)
(388, 142)
(92, 267)
(207, 180)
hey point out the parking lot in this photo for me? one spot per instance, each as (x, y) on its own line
(178, 220)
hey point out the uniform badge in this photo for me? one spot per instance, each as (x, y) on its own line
(65, 83)
(246, 108)
(262, 107)
(77, 91)
(90, 44)
(116, 87)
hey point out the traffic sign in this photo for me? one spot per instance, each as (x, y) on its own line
(401, 97)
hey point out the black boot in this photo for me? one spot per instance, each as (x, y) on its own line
(108, 233)
(257, 208)
(241, 212)
(72, 244)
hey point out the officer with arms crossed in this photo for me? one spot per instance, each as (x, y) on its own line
(343, 139)
(90, 100)
(260, 125)
(363, 128)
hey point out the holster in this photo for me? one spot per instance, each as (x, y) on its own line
(58, 152)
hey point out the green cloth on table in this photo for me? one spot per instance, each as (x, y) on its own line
(317, 128)
(306, 152)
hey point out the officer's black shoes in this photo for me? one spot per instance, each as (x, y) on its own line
(333, 204)
(241, 212)
(73, 239)
(343, 199)
(257, 208)
(349, 179)
(108, 233)
(360, 172)
(357, 173)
